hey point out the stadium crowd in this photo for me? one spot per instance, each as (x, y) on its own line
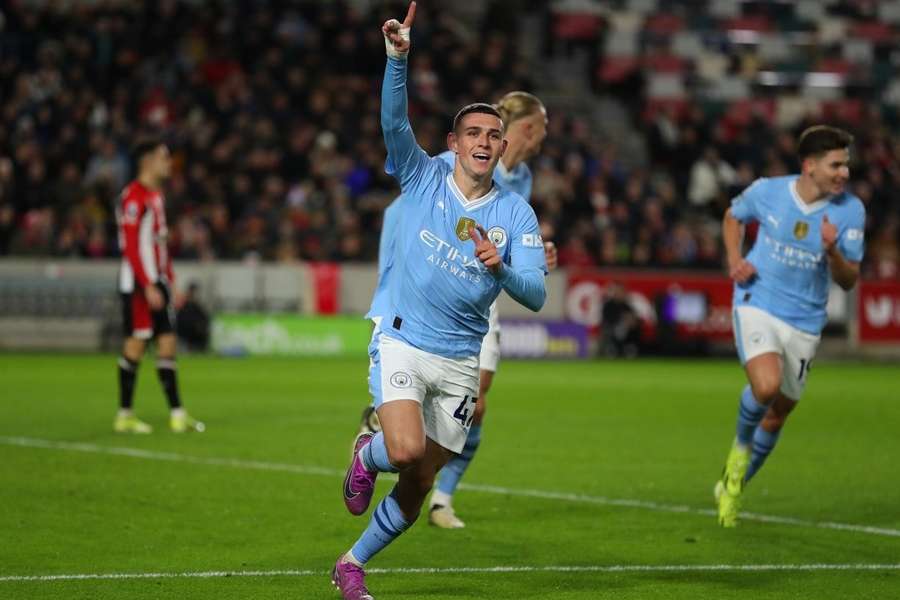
(271, 111)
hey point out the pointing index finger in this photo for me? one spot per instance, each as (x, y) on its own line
(410, 15)
(474, 234)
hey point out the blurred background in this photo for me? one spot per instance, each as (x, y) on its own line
(660, 112)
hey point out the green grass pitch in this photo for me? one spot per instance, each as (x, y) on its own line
(603, 466)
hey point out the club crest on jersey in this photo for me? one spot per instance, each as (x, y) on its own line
(497, 236)
(801, 228)
(462, 228)
(131, 212)
(401, 380)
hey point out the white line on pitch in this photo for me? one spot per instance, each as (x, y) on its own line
(488, 489)
(451, 570)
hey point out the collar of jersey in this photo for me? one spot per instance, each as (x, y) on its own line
(474, 203)
(807, 209)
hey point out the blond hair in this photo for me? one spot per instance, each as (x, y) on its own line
(517, 105)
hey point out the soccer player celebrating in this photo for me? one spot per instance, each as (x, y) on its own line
(810, 231)
(460, 240)
(525, 122)
(145, 283)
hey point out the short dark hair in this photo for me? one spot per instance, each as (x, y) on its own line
(144, 147)
(476, 107)
(819, 139)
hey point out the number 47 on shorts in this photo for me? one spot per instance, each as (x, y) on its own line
(465, 407)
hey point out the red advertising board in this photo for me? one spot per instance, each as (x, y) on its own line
(698, 303)
(326, 278)
(879, 311)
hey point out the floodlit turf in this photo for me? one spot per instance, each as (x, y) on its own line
(593, 459)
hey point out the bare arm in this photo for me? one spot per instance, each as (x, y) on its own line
(739, 269)
(844, 272)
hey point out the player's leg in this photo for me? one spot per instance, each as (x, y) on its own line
(767, 433)
(166, 366)
(397, 372)
(394, 514)
(397, 389)
(441, 512)
(418, 438)
(137, 330)
(759, 345)
(800, 350)
(399, 445)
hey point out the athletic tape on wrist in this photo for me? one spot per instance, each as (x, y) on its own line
(404, 34)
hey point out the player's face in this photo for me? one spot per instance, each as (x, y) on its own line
(536, 131)
(161, 162)
(831, 171)
(478, 143)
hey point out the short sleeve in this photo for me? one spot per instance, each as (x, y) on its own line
(852, 237)
(745, 207)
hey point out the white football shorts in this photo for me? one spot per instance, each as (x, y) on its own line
(758, 332)
(490, 345)
(447, 388)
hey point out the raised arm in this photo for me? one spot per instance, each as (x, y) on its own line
(405, 156)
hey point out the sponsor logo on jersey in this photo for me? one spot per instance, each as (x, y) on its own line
(462, 228)
(801, 228)
(497, 236)
(854, 234)
(793, 256)
(449, 258)
(532, 240)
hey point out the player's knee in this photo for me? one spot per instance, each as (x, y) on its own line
(766, 389)
(405, 452)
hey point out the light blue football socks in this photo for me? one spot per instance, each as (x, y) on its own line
(750, 413)
(763, 444)
(374, 455)
(386, 525)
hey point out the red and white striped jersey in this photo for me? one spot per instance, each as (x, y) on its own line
(141, 216)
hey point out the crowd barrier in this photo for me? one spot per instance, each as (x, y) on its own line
(266, 308)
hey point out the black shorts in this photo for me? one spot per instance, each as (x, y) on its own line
(138, 321)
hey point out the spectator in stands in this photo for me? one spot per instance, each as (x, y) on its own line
(277, 126)
(192, 322)
(620, 326)
(710, 177)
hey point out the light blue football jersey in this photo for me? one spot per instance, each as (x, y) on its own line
(793, 277)
(518, 180)
(439, 293)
